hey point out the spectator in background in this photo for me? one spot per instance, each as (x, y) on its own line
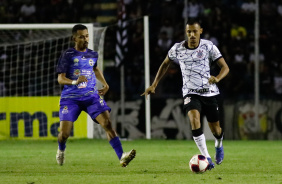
(213, 39)
(167, 27)
(169, 10)
(27, 12)
(268, 9)
(239, 57)
(278, 84)
(3, 5)
(192, 10)
(247, 13)
(12, 12)
(279, 8)
(69, 12)
(266, 80)
(164, 42)
(238, 32)
(248, 7)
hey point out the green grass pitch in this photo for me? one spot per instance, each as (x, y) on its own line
(157, 161)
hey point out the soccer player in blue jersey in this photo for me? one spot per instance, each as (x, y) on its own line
(199, 87)
(77, 71)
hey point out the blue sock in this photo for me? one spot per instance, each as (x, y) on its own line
(116, 144)
(62, 146)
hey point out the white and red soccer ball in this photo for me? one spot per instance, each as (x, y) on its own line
(198, 164)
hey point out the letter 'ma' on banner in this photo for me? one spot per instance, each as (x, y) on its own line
(28, 123)
(35, 118)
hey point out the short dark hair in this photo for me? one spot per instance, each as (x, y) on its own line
(192, 21)
(78, 27)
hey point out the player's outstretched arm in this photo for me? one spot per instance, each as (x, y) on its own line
(162, 70)
(63, 80)
(223, 71)
(99, 75)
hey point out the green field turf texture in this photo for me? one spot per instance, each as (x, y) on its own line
(157, 161)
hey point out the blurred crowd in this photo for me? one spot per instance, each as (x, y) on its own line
(229, 24)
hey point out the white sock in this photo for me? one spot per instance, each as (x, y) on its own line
(201, 143)
(218, 142)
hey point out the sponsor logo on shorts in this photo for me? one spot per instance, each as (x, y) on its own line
(101, 101)
(65, 110)
(187, 100)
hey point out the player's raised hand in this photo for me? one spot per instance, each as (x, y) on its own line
(81, 79)
(103, 90)
(213, 80)
(149, 90)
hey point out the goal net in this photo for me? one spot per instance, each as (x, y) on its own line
(29, 91)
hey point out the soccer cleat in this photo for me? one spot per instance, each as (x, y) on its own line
(211, 164)
(60, 157)
(127, 157)
(219, 155)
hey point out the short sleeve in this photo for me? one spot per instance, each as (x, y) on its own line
(62, 66)
(172, 53)
(215, 53)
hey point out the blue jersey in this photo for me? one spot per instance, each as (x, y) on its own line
(74, 64)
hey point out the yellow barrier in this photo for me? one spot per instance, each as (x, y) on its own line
(35, 118)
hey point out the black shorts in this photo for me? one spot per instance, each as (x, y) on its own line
(207, 106)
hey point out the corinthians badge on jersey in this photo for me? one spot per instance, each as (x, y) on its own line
(200, 53)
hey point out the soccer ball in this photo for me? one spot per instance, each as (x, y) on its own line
(198, 164)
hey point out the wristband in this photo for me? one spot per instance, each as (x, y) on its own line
(74, 82)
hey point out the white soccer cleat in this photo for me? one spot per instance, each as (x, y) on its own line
(127, 157)
(60, 157)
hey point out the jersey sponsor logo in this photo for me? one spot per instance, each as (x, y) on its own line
(204, 90)
(187, 100)
(76, 72)
(75, 61)
(91, 62)
(65, 110)
(83, 58)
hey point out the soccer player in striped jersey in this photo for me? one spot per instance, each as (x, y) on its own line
(195, 56)
(77, 71)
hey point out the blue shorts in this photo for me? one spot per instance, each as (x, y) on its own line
(70, 108)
